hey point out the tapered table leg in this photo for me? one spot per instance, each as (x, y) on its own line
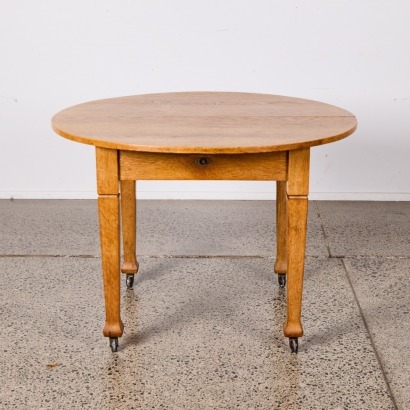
(128, 216)
(297, 213)
(281, 228)
(297, 192)
(109, 214)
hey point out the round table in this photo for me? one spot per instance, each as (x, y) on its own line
(202, 136)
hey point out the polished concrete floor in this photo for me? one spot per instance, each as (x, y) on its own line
(203, 323)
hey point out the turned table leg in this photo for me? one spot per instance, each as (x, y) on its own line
(297, 193)
(128, 218)
(281, 232)
(109, 214)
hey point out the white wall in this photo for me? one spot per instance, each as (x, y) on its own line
(352, 53)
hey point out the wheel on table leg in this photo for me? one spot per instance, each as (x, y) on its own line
(282, 280)
(293, 343)
(129, 281)
(114, 344)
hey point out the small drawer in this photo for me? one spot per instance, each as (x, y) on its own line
(271, 166)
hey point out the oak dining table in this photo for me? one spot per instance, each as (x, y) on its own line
(202, 136)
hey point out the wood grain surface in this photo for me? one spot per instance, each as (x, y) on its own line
(204, 123)
(270, 166)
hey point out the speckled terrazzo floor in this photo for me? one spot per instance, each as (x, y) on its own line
(204, 320)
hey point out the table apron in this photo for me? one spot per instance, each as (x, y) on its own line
(270, 166)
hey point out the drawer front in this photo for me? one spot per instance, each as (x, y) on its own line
(271, 166)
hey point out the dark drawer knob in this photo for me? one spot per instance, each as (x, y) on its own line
(203, 161)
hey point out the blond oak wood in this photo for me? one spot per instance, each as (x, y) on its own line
(297, 207)
(203, 135)
(145, 165)
(109, 214)
(204, 123)
(108, 208)
(107, 171)
(297, 217)
(298, 178)
(281, 228)
(129, 234)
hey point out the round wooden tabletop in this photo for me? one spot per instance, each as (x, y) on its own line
(204, 123)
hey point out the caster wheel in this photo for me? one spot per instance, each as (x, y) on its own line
(282, 280)
(114, 344)
(293, 343)
(129, 281)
